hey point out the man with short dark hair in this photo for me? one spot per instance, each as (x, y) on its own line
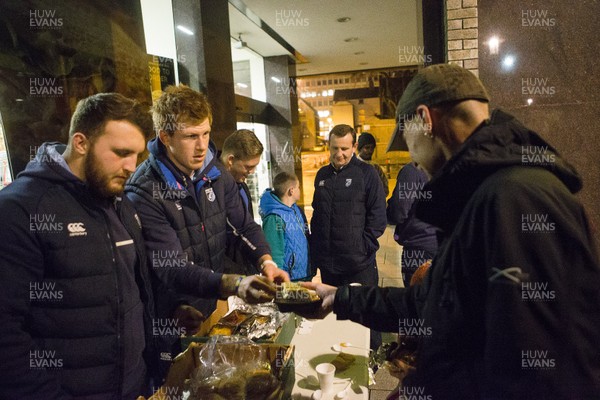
(75, 295)
(366, 148)
(349, 216)
(241, 155)
(509, 307)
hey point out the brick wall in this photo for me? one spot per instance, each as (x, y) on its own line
(463, 33)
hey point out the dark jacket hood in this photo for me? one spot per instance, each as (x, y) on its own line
(498, 143)
(50, 165)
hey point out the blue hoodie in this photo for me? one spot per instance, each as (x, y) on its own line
(286, 231)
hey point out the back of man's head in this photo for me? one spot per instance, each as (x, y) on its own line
(342, 130)
(180, 106)
(440, 84)
(243, 145)
(93, 112)
(282, 182)
(443, 87)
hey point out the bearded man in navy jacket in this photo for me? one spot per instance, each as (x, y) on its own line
(75, 295)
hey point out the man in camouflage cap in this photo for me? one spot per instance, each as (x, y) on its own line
(509, 308)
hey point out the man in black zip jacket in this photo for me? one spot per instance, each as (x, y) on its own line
(75, 295)
(349, 216)
(186, 200)
(510, 306)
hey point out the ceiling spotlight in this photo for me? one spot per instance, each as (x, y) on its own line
(240, 44)
(351, 39)
(344, 19)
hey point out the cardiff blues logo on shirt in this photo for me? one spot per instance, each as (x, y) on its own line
(210, 194)
(348, 182)
(322, 183)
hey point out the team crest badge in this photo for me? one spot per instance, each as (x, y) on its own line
(348, 182)
(322, 183)
(210, 194)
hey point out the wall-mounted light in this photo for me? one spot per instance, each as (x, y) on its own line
(240, 44)
(529, 102)
(494, 44)
(242, 85)
(508, 62)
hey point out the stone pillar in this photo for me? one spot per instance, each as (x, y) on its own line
(463, 32)
(285, 137)
(204, 58)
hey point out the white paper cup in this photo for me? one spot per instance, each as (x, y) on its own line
(325, 372)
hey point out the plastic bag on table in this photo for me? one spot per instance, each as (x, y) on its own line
(232, 368)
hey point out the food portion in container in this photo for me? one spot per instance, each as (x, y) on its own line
(255, 321)
(294, 293)
(292, 297)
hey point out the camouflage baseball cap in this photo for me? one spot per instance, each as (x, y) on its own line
(434, 85)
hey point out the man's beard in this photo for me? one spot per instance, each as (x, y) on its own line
(98, 182)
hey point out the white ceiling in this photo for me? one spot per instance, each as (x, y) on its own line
(382, 27)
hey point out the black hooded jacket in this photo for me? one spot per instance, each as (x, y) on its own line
(62, 327)
(511, 305)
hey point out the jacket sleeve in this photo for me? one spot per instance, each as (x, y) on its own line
(536, 330)
(375, 220)
(376, 307)
(274, 228)
(166, 256)
(399, 206)
(253, 242)
(383, 178)
(21, 264)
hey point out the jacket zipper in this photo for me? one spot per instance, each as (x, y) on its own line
(334, 179)
(119, 344)
(206, 254)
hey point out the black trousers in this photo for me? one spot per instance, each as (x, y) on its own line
(367, 277)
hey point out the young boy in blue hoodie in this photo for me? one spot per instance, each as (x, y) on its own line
(286, 227)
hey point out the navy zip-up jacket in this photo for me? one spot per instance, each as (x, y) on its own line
(62, 327)
(349, 216)
(185, 221)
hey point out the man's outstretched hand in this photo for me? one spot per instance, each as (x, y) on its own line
(326, 293)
